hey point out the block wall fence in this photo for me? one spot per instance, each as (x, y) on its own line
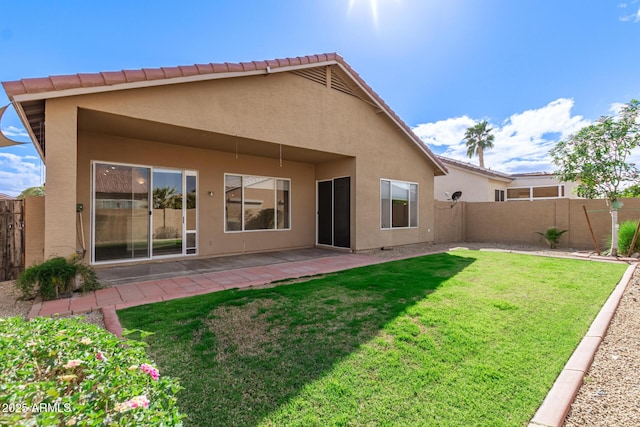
(517, 222)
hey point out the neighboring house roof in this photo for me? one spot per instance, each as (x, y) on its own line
(6, 197)
(477, 169)
(29, 94)
(532, 174)
(491, 173)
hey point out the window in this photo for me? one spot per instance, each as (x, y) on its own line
(540, 192)
(257, 203)
(531, 193)
(398, 204)
(518, 193)
(499, 195)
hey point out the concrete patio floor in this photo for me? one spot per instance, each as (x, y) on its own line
(140, 284)
(118, 275)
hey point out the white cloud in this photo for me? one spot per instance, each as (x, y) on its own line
(615, 108)
(12, 131)
(18, 173)
(445, 132)
(522, 142)
(632, 17)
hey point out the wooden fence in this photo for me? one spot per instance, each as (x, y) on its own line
(11, 239)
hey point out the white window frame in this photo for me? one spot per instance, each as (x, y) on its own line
(391, 227)
(275, 201)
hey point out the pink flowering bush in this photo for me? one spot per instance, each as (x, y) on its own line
(136, 402)
(150, 370)
(68, 372)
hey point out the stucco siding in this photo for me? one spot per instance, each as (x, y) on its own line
(285, 110)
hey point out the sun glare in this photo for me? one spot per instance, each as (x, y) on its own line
(373, 5)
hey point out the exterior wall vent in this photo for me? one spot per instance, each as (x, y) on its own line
(319, 75)
(316, 74)
(339, 84)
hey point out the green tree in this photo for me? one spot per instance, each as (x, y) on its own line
(478, 138)
(596, 157)
(166, 197)
(631, 191)
(32, 191)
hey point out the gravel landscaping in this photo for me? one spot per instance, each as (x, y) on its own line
(610, 394)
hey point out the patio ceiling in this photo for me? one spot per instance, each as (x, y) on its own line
(129, 127)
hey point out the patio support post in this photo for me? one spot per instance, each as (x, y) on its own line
(61, 130)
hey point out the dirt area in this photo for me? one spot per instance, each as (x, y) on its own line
(9, 303)
(12, 305)
(610, 395)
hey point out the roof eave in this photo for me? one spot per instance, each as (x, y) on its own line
(161, 82)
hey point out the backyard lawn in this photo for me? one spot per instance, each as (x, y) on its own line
(456, 339)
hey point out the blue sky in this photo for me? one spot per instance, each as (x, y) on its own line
(537, 70)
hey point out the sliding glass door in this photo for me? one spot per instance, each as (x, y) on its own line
(121, 212)
(167, 212)
(143, 212)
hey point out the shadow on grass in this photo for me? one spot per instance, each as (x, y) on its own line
(242, 354)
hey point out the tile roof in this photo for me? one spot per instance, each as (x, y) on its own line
(490, 172)
(49, 86)
(475, 168)
(531, 174)
(110, 78)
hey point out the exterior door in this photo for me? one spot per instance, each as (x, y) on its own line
(120, 212)
(325, 213)
(334, 212)
(174, 212)
(141, 212)
(191, 213)
(342, 212)
(167, 212)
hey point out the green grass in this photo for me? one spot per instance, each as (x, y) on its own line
(458, 339)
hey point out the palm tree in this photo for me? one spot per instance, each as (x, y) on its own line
(163, 198)
(478, 138)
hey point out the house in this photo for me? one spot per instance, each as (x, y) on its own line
(6, 197)
(217, 159)
(479, 184)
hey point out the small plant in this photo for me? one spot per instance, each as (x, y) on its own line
(552, 236)
(56, 277)
(166, 232)
(67, 372)
(626, 231)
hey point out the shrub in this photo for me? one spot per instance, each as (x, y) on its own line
(57, 276)
(68, 372)
(626, 231)
(552, 236)
(166, 232)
